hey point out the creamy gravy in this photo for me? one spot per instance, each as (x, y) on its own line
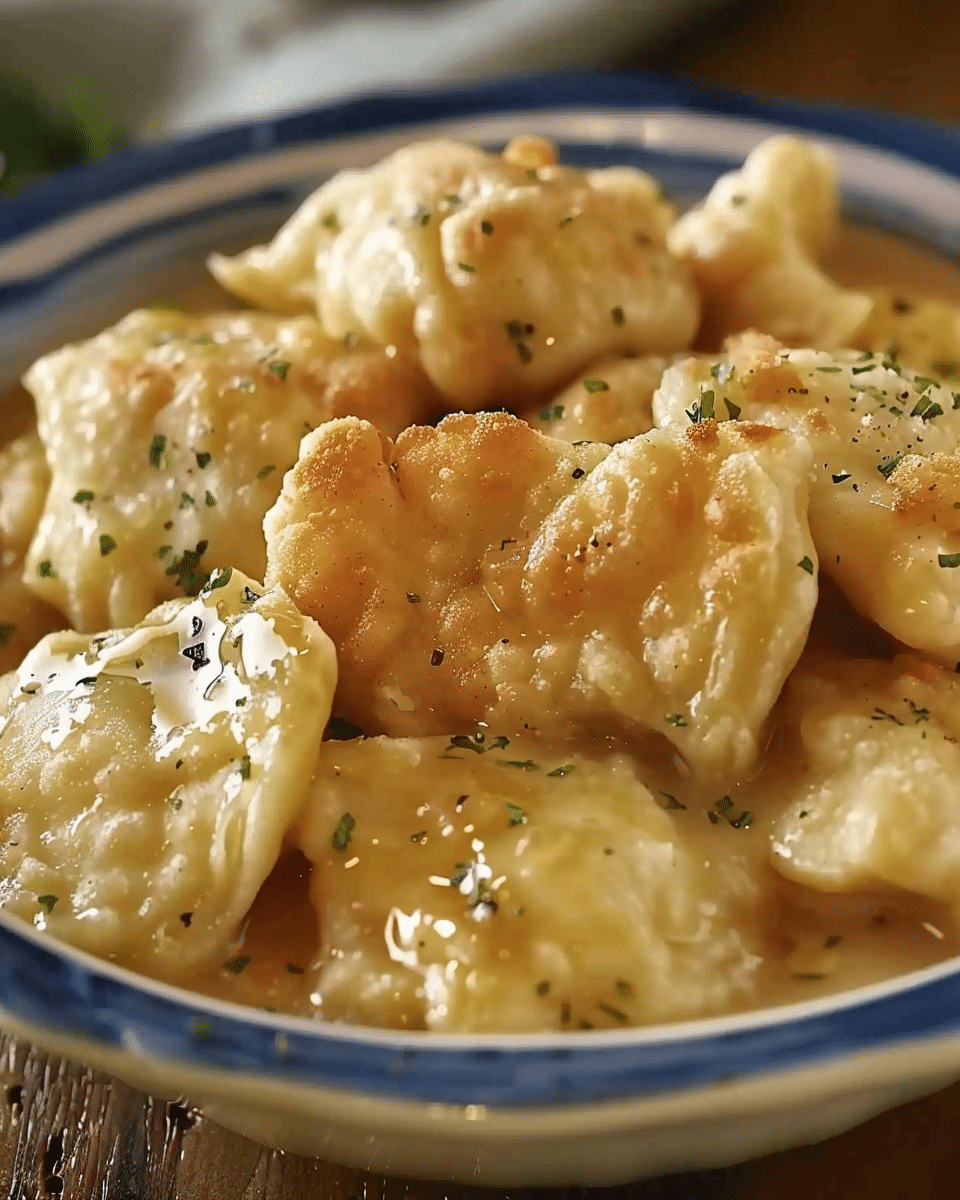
(817, 944)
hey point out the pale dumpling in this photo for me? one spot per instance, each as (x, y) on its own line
(885, 498)
(609, 402)
(24, 479)
(167, 437)
(921, 332)
(876, 805)
(478, 885)
(505, 274)
(754, 243)
(148, 776)
(481, 571)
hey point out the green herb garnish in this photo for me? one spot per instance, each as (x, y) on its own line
(343, 832)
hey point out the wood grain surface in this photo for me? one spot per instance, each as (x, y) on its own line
(65, 1131)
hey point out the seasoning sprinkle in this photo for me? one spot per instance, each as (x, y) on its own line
(343, 832)
(238, 964)
(516, 814)
(157, 447)
(949, 560)
(107, 544)
(48, 902)
(596, 385)
(83, 497)
(279, 368)
(806, 564)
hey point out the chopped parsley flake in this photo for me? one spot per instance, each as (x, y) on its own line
(617, 315)
(670, 803)
(616, 1013)
(676, 719)
(841, 477)
(186, 570)
(923, 382)
(466, 267)
(542, 987)
(83, 497)
(209, 500)
(919, 714)
(245, 767)
(486, 227)
(203, 457)
(162, 551)
(888, 466)
(157, 447)
(734, 410)
(279, 368)
(265, 471)
(238, 964)
(516, 814)
(45, 570)
(48, 903)
(596, 385)
(107, 544)
(521, 764)
(920, 407)
(949, 560)
(330, 221)
(186, 499)
(806, 564)
(559, 772)
(343, 832)
(553, 413)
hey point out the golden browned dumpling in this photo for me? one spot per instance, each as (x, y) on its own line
(476, 885)
(505, 274)
(885, 501)
(877, 803)
(148, 776)
(24, 480)
(754, 243)
(481, 571)
(167, 438)
(611, 401)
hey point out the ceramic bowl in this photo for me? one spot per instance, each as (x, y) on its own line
(586, 1108)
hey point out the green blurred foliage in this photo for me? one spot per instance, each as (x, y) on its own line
(36, 137)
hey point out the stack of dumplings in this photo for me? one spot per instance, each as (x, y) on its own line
(469, 636)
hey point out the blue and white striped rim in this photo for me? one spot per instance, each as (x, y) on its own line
(903, 172)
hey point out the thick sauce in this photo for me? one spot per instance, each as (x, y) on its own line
(818, 943)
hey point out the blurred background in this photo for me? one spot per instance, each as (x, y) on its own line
(78, 77)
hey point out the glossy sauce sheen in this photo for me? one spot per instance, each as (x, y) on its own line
(814, 943)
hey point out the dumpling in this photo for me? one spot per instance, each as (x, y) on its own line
(920, 332)
(477, 886)
(24, 480)
(506, 274)
(168, 436)
(148, 776)
(885, 499)
(610, 402)
(753, 247)
(481, 571)
(876, 805)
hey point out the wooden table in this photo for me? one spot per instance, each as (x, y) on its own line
(67, 1132)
